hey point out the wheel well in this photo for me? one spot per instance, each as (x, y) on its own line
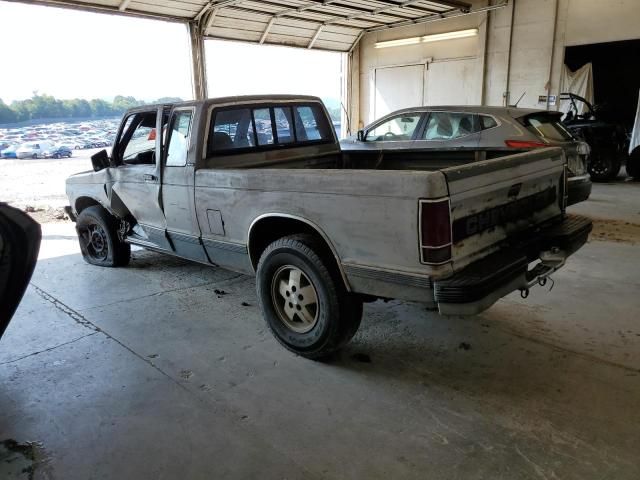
(269, 229)
(84, 202)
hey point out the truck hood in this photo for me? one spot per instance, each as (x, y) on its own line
(88, 176)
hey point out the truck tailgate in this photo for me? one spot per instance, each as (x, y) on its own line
(494, 200)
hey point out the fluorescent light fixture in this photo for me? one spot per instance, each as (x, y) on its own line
(471, 32)
(399, 43)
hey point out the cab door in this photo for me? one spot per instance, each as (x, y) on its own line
(137, 186)
(178, 186)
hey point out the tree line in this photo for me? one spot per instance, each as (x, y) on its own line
(46, 106)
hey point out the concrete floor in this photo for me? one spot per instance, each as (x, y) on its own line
(146, 372)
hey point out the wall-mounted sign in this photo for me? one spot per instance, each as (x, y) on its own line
(551, 98)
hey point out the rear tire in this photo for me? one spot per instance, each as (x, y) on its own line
(303, 298)
(633, 164)
(604, 164)
(98, 237)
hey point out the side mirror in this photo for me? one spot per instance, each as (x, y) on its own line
(100, 160)
(361, 135)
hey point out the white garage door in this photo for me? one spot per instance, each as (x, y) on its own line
(398, 87)
(453, 82)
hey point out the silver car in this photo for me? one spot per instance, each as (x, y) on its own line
(456, 135)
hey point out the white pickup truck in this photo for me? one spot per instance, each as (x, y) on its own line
(259, 185)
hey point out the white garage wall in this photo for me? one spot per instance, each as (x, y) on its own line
(531, 51)
(599, 21)
(536, 57)
(471, 50)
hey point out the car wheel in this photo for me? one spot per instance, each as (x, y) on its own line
(99, 243)
(633, 164)
(303, 298)
(604, 164)
(34, 156)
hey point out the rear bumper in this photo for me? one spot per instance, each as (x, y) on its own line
(484, 282)
(579, 189)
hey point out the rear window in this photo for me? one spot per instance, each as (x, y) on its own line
(546, 126)
(487, 122)
(237, 130)
(232, 129)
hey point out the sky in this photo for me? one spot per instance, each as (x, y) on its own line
(73, 54)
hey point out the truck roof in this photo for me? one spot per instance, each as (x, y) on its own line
(239, 99)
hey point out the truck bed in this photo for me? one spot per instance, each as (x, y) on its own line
(367, 214)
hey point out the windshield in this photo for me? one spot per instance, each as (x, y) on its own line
(547, 126)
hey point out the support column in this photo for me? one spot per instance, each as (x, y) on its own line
(198, 61)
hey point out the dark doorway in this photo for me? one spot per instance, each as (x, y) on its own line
(616, 75)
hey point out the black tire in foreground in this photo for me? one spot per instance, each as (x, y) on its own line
(98, 236)
(633, 164)
(303, 297)
(604, 164)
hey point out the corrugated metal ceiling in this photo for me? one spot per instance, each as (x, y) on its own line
(323, 24)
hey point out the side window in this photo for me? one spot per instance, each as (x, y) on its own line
(268, 126)
(284, 125)
(179, 139)
(232, 129)
(449, 126)
(311, 124)
(396, 129)
(487, 122)
(142, 139)
(264, 130)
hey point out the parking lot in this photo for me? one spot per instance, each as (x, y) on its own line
(97, 362)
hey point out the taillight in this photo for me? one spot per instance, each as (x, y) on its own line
(435, 231)
(524, 144)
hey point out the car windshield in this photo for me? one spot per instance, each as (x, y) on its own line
(547, 126)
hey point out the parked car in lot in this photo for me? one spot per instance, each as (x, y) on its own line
(34, 149)
(59, 151)
(9, 152)
(323, 233)
(608, 138)
(467, 134)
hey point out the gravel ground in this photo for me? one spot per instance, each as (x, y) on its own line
(38, 186)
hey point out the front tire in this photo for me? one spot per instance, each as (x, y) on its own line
(604, 164)
(98, 236)
(303, 298)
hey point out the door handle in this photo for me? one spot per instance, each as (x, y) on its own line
(149, 178)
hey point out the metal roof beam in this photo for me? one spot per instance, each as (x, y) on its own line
(123, 5)
(315, 37)
(317, 4)
(372, 13)
(292, 16)
(438, 16)
(215, 5)
(462, 6)
(267, 28)
(404, 5)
